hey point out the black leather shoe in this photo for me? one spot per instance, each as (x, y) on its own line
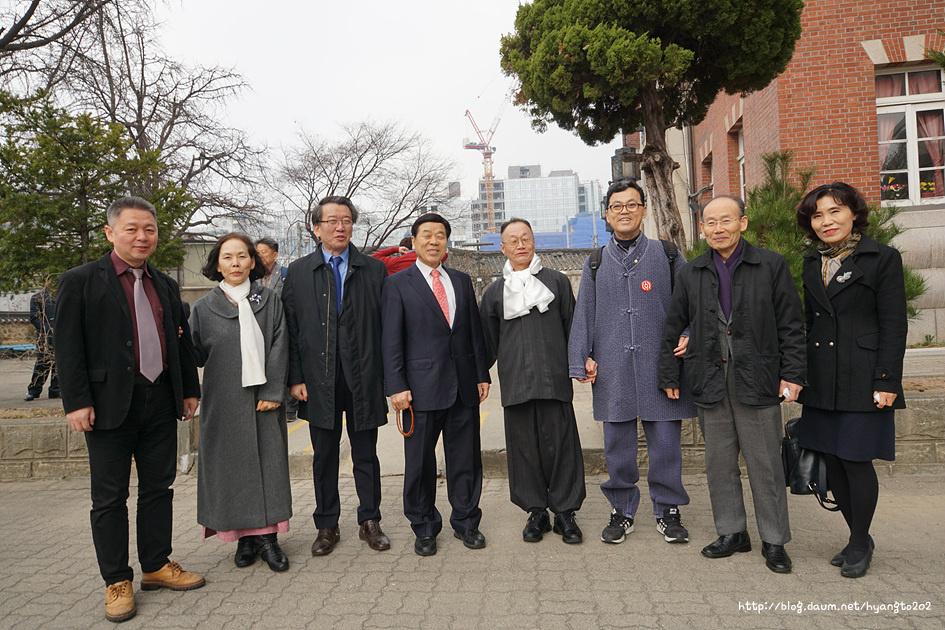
(29, 397)
(371, 533)
(860, 568)
(425, 546)
(536, 526)
(245, 551)
(776, 558)
(568, 528)
(727, 545)
(267, 546)
(325, 541)
(473, 539)
(838, 559)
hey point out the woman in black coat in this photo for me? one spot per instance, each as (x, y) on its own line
(855, 312)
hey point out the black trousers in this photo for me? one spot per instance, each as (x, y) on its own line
(45, 366)
(543, 451)
(149, 435)
(365, 465)
(461, 446)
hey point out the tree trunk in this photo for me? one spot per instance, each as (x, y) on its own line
(658, 166)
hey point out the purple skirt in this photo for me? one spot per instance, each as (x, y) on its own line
(855, 436)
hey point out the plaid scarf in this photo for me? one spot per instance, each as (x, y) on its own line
(832, 257)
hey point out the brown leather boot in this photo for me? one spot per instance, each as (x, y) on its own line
(120, 601)
(171, 576)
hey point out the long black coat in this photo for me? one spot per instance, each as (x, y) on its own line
(767, 329)
(856, 329)
(95, 353)
(532, 350)
(314, 325)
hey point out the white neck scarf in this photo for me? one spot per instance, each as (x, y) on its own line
(523, 290)
(252, 344)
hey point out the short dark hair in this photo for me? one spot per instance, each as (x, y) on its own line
(738, 202)
(406, 242)
(511, 221)
(430, 217)
(842, 193)
(213, 258)
(128, 203)
(271, 243)
(621, 185)
(340, 200)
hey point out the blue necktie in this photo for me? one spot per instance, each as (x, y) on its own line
(336, 265)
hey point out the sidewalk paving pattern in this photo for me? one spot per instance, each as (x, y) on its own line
(51, 580)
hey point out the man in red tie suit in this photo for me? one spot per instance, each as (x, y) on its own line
(435, 362)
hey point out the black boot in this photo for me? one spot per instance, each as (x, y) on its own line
(269, 550)
(245, 551)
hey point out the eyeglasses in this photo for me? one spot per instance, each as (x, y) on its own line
(336, 222)
(725, 223)
(514, 242)
(630, 206)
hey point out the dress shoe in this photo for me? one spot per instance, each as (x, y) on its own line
(568, 528)
(838, 559)
(120, 601)
(325, 541)
(536, 526)
(425, 546)
(375, 538)
(858, 569)
(29, 397)
(473, 538)
(776, 557)
(171, 576)
(245, 551)
(54, 395)
(267, 546)
(727, 545)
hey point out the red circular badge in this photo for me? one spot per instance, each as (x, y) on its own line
(645, 285)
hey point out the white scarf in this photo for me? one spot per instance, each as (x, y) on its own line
(523, 290)
(252, 344)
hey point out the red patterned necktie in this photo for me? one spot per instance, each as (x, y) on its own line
(440, 292)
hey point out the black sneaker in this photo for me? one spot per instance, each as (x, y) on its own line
(671, 528)
(537, 525)
(568, 528)
(618, 528)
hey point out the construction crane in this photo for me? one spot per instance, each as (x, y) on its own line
(485, 147)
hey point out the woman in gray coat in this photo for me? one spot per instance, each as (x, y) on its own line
(243, 491)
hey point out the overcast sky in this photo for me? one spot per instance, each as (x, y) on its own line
(315, 64)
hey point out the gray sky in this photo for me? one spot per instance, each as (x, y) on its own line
(314, 64)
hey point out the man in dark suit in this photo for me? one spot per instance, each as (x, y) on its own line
(332, 301)
(127, 371)
(435, 361)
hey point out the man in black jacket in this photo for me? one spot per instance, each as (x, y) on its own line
(332, 300)
(127, 369)
(745, 354)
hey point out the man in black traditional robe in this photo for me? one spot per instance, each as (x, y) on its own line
(526, 317)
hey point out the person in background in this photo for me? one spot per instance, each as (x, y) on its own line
(400, 257)
(273, 278)
(43, 316)
(855, 311)
(243, 492)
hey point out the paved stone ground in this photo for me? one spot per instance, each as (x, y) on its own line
(50, 579)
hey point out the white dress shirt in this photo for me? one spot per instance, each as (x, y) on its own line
(447, 284)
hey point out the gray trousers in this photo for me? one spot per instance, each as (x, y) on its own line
(729, 427)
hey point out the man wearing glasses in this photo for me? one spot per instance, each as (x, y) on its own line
(332, 301)
(614, 344)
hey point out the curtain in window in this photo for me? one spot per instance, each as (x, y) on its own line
(931, 125)
(887, 126)
(889, 85)
(924, 82)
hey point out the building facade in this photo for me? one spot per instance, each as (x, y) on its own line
(860, 103)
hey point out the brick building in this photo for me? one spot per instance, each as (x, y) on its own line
(859, 102)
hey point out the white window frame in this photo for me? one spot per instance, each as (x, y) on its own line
(910, 105)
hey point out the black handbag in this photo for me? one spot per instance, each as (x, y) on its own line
(805, 471)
